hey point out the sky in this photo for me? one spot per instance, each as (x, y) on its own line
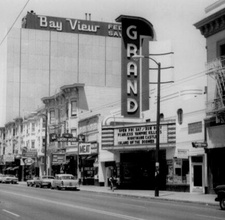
(172, 20)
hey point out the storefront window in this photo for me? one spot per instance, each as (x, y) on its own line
(178, 171)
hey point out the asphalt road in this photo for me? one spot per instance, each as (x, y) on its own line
(27, 203)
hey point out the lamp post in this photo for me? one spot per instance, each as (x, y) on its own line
(135, 57)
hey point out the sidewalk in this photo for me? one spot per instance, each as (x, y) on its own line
(206, 199)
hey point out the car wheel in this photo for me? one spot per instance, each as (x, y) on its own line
(28, 184)
(222, 203)
(36, 185)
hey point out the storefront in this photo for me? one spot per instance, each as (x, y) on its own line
(215, 154)
(88, 156)
(134, 150)
(89, 150)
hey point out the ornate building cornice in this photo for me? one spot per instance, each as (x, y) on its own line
(212, 24)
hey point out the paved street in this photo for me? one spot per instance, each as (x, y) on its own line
(22, 202)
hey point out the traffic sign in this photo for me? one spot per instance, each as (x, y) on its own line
(199, 144)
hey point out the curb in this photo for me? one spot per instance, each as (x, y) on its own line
(150, 197)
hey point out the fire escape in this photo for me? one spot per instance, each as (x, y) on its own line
(216, 107)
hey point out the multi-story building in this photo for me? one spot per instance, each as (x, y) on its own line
(40, 58)
(212, 27)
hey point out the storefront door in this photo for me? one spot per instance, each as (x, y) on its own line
(197, 178)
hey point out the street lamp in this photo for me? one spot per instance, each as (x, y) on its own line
(135, 57)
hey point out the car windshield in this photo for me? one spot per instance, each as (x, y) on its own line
(67, 177)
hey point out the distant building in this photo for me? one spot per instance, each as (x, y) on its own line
(49, 52)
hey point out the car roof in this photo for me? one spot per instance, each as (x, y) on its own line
(64, 174)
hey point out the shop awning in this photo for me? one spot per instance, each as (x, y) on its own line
(15, 168)
(9, 168)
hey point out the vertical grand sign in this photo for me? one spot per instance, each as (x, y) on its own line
(136, 32)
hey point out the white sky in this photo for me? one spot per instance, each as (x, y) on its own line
(172, 19)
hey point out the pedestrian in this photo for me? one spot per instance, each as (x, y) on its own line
(112, 181)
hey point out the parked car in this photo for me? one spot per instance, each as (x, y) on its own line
(8, 178)
(65, 181)
(220, 191)
(30, 182)
(1, 176)
(44, 181)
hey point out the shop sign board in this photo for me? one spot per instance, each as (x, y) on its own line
(58, 158)
(140, 135)
(33, 21)
(182, 153)
(30, 153)
(8, 158)
(84, 148)
(28, 161)
(88, 148)
(70, 139)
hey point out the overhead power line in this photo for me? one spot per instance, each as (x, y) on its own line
(13, 23)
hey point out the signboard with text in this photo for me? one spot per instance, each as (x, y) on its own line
(140, 135)
(58, 159)
(136, 32)
(88, 148)
(69, 25)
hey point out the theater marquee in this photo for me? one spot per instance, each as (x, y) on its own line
(140, 135)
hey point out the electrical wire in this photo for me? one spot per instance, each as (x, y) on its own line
(13, 23)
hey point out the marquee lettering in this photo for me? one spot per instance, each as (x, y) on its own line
(132, 35)
(132, 85)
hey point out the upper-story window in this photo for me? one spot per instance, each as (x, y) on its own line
(67, 109)
(221, 51)
(73, 108)
(32, 144)
(33, 127)
(180, 116)
(52, 117)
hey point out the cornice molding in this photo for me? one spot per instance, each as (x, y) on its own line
(212, 24)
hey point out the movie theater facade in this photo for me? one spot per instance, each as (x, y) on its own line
(50, 53)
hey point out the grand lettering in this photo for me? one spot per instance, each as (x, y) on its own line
(132, 85)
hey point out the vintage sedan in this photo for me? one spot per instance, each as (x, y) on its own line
(1, 177)
(30, 182)
(44, 181)
(8, 178)
(65, 181)
(220, 191)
